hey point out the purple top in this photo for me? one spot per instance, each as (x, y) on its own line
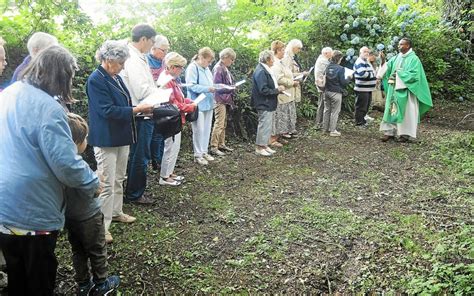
(20, 68)
(222, 76)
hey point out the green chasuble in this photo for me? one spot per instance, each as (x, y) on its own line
(410, 70)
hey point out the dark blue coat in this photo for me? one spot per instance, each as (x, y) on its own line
(264, 93)
(111, 122)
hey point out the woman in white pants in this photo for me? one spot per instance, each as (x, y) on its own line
(174, 66)
(201, 80)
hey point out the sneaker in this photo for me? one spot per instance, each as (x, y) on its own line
(124, 218)
(217, 152)
(262, 152)
(335, 134)
(108, 238)
(170, 183)
(201, 160)
(368, 118)
(177, 178)
(365, 125)
(84, 289)
(110, 284)
(225, 148)
(270, 150)
(208, 157)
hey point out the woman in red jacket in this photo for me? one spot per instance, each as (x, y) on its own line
(174, 66)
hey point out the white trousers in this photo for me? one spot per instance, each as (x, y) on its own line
(409, 124)
(170, 155)
(202, 133)
(111, 168)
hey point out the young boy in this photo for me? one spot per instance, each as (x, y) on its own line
(85, 225)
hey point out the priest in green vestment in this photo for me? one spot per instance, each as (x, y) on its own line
(408, 94)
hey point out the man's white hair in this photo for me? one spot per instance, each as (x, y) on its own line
(39, 41)
(363, 48)
(161, 40)
(326, 50)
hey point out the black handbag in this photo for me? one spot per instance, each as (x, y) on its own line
(192, 116)
(167, 120)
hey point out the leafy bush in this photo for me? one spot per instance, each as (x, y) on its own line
(249, 27)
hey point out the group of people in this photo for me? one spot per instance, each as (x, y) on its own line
(49, 186)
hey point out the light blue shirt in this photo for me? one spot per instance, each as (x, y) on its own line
(194, 72)
(37, 156)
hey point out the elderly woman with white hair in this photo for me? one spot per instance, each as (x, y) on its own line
(322, 62)
(112, 128)
(265, 90)
(3, 58)
(291, 60)
(37, 42)
(224, 100)
(174, 67)
(156, 63)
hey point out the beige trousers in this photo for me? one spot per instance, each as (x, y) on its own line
(220, 124)
(111, 168)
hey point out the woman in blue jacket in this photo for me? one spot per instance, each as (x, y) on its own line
(37, 158)
(201, 80)
(264, 99)
(112, 128)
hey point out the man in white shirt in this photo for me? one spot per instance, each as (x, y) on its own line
(139, 81)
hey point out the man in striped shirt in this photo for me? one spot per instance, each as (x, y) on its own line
(365, 81)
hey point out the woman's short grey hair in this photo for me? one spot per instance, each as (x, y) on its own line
(161, 40)
(227, 53)
(52, 71)
(113, 50)
(265, 56)
(292, 44)
(326, 50)
(39, 41)
(174, 59)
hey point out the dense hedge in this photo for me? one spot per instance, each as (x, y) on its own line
(249, 27)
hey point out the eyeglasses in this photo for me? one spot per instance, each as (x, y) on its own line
(163, 50)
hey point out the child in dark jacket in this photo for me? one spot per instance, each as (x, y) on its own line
(86, 231)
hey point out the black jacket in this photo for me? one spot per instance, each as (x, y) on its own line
(264, 93)
(335, 79)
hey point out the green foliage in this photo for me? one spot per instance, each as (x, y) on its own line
(249, 27)
(456, 152)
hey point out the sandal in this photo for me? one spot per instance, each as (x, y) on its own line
(177, 178)
(276, 144)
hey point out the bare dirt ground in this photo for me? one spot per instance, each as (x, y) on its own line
(324, 215)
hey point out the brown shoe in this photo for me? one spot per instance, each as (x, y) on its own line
(143, 201)
(386, 138)
(276, 144)
(403, 139)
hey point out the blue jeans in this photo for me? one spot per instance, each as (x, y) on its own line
(138, 160)
(157, 147)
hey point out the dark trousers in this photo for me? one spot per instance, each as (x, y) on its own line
(363, 100)
(31, 263)
(157, 147)
(87, 240)
(139, 158)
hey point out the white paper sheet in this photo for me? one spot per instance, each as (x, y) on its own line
(239, 83)
(299, 77)
(160, 95)
(223, 86)
(348, 72)
(163, 80)
(286, 93)
(200, 98)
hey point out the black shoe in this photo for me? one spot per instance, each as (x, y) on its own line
(110, 284)
(154, 165)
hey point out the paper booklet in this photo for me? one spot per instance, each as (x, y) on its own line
(348, 72)
(299, 77)
(200, 98)
(286, 93)
(223, 86)
(239, 83)
(163, 80)
(309, 73)
(185, 84)
(160, 95)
